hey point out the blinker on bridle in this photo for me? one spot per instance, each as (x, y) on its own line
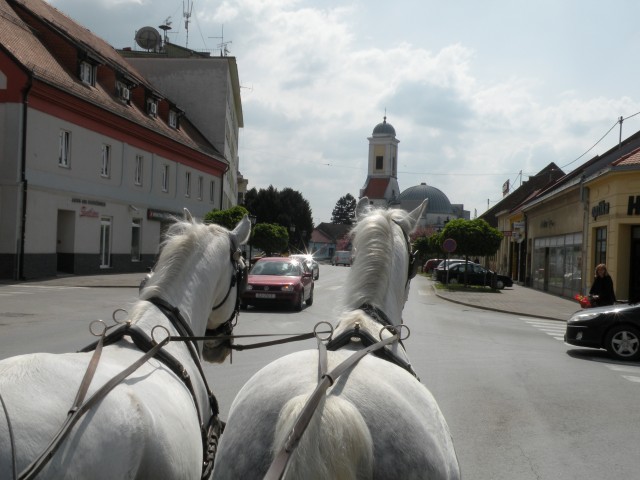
(412, 269)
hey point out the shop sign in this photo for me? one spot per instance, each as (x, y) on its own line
(601, 208)
(162, 215)
(88, 212)
(84, 201)
(518, 225)
(507, 233)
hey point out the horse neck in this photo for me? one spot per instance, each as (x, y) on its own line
(194, 288)
(379, 281)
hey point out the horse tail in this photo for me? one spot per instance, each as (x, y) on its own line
(336, 444)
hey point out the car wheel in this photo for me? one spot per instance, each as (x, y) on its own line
(309, 301)
(317, 276)
(623, 342)
(500, 284)
(299, 302)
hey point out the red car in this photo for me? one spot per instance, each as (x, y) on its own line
(279, 281)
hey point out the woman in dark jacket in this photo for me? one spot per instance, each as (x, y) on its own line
(602, 288)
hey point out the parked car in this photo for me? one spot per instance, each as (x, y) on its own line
(279, 280)
(310, 262)
(440, 272)
(616, 328)
(431, 264)
(342, 257)
(477, 275)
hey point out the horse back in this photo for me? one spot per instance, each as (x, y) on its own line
(119, 437)
(389, 423)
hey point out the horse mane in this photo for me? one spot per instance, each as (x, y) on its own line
(371, 271)
(176, 250)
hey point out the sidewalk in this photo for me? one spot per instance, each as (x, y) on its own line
(517, 299)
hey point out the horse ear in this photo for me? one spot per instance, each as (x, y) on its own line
(362, 207)
(240, 234)
(409, 222)
(416, 214)
(187, 216)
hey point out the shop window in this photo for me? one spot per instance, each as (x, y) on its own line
(212, 191)
(200, 187)
(187, 184)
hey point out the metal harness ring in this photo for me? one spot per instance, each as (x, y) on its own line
(94, 332)
(319, 334)
(153, 335)
(116, 311)
(396, 330)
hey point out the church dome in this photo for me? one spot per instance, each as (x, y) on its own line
(413, 196)
(384, 128)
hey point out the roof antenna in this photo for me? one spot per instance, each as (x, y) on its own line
(186, 13)
(224, 51)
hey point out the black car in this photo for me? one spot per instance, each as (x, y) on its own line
(477, 275)
(616, 328)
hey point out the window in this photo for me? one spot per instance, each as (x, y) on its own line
(379, 162)
(212, 191)
(601, 245)
(165, 178)
(105, 242)
(187, 184)
(152, 107)
(173, 119)
(137, 176)
(200, 187)
(88, 73)
(105, 169)
(135, 239)
(64, 149)
(123, 91)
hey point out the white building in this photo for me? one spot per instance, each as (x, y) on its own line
(93, 158)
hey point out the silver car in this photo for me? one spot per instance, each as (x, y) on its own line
(312, 265)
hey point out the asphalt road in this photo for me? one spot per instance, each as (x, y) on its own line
(520, 403)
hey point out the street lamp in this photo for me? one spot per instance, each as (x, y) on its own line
(252, 219)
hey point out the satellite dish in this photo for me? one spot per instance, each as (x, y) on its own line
(148, 38)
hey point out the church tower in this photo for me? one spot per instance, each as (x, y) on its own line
(381, 185)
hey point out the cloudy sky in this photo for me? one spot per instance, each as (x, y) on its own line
(478, 91)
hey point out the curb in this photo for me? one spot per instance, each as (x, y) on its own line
(483, 307)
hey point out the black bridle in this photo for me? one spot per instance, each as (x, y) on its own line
(239, 279)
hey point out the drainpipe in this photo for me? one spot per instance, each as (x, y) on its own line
(222, 180)
(19, 271)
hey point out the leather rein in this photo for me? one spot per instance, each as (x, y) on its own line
(151, 347)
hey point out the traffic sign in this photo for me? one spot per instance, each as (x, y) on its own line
(449, 245)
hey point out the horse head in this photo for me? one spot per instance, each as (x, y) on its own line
(200, 272)
(383, 260)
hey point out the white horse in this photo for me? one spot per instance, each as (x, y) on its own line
(377, 420)
(151, 424)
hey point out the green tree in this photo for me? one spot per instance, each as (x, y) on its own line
(227, 218)
(473, 237)
(344, 213)
(287, 208)
(270, 237)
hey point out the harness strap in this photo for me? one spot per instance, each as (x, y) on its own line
(367, 339)
(75, 413)
(294, 338)
(279, 465)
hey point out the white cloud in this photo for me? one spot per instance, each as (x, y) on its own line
(473, 102)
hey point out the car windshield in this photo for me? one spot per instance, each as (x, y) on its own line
(277, 268)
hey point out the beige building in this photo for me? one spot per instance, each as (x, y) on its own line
(573, 223)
